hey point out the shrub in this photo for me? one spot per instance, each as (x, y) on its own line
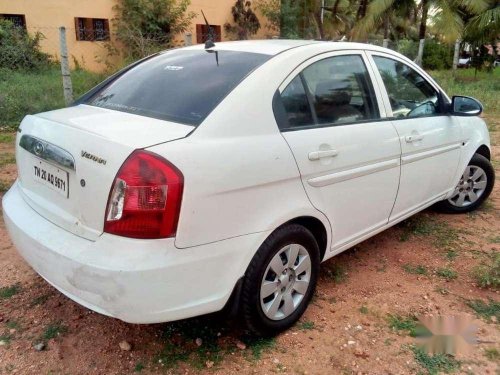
(246, 22)
(487, 275)
(19, 50)
(148, 26)
(437, 56)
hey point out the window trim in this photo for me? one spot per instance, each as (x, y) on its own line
(11, 15)
(378, 102)
(201, 37)
(91, 21)
(443, 99)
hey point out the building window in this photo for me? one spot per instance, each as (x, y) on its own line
(17, 19)
(92, 29)
(202, 33)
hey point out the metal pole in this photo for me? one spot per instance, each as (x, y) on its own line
(66, 75)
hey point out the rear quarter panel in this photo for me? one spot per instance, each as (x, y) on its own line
(236, 186)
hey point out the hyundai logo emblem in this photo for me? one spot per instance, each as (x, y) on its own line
(38, 148)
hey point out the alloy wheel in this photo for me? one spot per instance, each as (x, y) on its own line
(471, 186)
(285, 281)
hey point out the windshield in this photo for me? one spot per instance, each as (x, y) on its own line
(182, 86)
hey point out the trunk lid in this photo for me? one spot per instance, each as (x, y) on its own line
(67, 160)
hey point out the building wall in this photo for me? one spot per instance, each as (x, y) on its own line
(46, 16)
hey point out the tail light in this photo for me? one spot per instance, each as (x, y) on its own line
(145, 198)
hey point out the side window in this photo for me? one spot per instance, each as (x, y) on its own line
(409, 93)
(341, 90)
(333, 91)
(296, 105)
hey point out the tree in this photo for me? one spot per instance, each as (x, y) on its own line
(446, 18)
(484, 28)
(271, 9)
(246, 21)
(291, 18)
(388, 15)
(147, 26)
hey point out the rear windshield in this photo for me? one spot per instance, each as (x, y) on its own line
(181, 86)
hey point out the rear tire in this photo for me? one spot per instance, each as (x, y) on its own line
(473, 189)
(280, 280)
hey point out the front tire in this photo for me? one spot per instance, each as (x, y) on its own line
(280, 280)
(474, 187)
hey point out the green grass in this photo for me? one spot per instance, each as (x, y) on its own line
(180, 343)
(406, 324)
(6, 338)
(363, 310)
(139, 367)
(307, 325)
(9, 291)
(447, 273)
(337, 273)
(171, 355)
(259, 345)
(40, 300)
(7, 137)
(6, 159)
(451, 254)
(484, 87)
(4, 186)
(485, 310)
(416, 270)
(422, 225)
(13, 324)
(23, 93)
(487, 274)
(492, 354)
(53, 330)
(435, 364)
(495, 239)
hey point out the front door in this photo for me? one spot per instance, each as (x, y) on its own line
(430, 140)
(348, 159)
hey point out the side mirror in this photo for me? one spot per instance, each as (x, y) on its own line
(465, 106)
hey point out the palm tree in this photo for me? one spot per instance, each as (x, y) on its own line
(339, 18)
(447, 18)
(382, 14)
(484, 25)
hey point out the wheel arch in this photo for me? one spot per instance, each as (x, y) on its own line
(317, 228)
(484, 151)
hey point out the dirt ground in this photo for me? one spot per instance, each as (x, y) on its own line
(359, 322)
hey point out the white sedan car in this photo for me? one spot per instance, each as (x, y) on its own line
(201, 179)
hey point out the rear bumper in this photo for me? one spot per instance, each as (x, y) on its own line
(138, 281)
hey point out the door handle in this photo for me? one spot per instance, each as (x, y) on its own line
(316, 155)
(414, 138)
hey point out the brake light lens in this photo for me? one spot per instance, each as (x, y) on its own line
(145, 198)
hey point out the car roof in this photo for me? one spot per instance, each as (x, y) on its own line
(275, 46)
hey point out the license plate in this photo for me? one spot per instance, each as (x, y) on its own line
(51, 176)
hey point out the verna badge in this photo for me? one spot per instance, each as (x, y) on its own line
(89, 156)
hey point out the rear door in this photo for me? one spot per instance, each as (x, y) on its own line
(430, 139)
(329, 113)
